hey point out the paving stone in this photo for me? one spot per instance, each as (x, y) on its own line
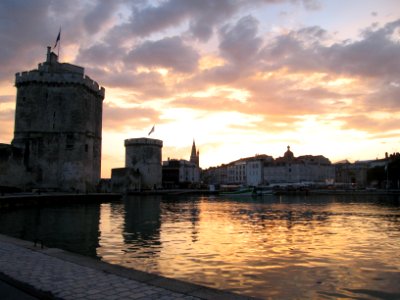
(65, 279)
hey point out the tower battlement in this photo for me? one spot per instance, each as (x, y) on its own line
(61, 78)
(51, 72)
(143, 141)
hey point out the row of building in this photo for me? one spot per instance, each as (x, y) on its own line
(306, 169)
(144, 170)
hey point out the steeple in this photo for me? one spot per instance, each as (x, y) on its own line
(193, 149)
(194, 156)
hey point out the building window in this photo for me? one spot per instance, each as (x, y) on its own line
(69, 142)
(86, 148)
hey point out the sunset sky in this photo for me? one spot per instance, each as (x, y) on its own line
(241, 77)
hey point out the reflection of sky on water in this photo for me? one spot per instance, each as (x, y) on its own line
(272, 247)
(279, 247)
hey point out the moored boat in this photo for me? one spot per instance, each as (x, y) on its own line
(237, 191)
(263, 190)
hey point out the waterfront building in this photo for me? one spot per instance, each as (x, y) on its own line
(58, 130)
(381, 173)
(180, 172)
(143, 169)
(306, 168)
(255, 169)
(215, 175)
(245, 171)
(237, 172)
(264, 169)
(351, 174)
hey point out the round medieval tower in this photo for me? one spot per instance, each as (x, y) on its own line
(58, 123)
(144, 155)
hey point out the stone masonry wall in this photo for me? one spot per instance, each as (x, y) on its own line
(144, 155)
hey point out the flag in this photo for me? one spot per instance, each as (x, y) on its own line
(58, 39)
(152, 130)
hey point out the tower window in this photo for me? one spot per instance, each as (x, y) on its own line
(86, 148)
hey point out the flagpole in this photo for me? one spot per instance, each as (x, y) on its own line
(59, 46)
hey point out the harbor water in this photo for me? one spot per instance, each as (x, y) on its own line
(271, 247)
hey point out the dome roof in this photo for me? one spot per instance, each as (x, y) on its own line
(288, 153)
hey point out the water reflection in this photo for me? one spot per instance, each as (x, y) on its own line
(73, 227)
(273, 247)
(286, 247)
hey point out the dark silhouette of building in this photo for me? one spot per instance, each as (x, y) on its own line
(58, 129)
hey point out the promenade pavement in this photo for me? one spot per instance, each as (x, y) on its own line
(56, 274)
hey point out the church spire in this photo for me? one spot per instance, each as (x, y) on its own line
(194, 156)
(193, 149)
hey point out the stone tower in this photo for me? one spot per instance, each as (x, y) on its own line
(195, 156)
(144, 155)
(58, 123)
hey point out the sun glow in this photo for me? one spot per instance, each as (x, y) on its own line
(236, 94)
(210, 61)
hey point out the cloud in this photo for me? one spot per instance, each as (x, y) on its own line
(386, 97)
(145, 85)
(99, 14)
(26, 28)
(124, 45)
(240, 44)
(376, 54)
(119, 118)
(6, 125)
(371, 125)
(100, 54)
(23, 28)
(7, 115)
(312, 4)
(220, 103)
(170, 53)
(201, 16)
(7, 99)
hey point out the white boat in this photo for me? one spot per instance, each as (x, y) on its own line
(242, 192)
(263, 190)
(236, 191)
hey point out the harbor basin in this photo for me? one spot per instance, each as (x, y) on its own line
(271, 247)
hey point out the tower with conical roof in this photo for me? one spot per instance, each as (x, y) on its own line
(195, 155)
